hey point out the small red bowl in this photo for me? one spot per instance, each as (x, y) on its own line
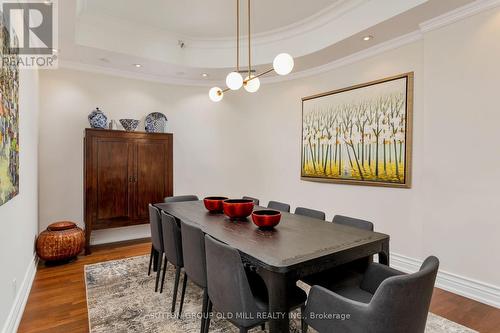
(266, 219)
(214, 204)
(238, 208)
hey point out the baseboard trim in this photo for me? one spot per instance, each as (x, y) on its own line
(457, 284)
(17, 310)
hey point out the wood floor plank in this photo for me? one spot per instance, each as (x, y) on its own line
(57, 302)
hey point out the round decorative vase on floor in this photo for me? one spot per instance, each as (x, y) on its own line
(60, 241)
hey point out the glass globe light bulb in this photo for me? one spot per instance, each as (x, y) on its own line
(216, 94)
(234, 81)
(253, 85)
(283, 64)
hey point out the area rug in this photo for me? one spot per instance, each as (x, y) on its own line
(121, 298)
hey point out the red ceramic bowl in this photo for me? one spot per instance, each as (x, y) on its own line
(238, 208)
(214, 204)
(266, 219)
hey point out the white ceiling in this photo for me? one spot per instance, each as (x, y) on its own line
(113, 35)
(208, 18)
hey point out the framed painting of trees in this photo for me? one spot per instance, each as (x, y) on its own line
(360, 134)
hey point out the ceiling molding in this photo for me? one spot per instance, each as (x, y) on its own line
(458, 14)
(308, 24)
(436, 23)
(355, 57)
(367, 53)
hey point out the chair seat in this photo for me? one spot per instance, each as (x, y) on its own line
(336, 277)
(354, 293)
(297, 296)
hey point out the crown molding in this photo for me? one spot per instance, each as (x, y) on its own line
(436, 23)
(458, 14)
(306, 25)
(355, 57)
(367, 53)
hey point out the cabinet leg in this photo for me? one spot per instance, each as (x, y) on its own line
(87, 241)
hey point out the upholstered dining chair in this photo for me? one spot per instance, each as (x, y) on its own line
(180, 198)
(386, 301)
(315, 214)
(348, 273)
(195, 267)
(353, 222)
(255, 200)
(279, 206)
(173, 251)
(231, 291)
(156, 256)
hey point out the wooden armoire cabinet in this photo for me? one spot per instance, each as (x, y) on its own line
(123, 173)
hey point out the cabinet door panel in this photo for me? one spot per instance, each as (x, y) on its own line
(113, 159)
(152, 170)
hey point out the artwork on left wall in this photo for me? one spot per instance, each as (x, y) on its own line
(9, 117)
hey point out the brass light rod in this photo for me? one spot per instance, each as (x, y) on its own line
(237, 35)
(249, 53)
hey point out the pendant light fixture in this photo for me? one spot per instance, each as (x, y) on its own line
(282, 65)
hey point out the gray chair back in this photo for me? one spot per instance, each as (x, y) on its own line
(228, 286)
(255, 200)
(193, 251)
(180, 198)
(402, 302)
(279, 206)
(156, 230)
(353, 222)
(172, 240)
(315, 214)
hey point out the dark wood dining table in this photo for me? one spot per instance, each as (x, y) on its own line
(299, 246)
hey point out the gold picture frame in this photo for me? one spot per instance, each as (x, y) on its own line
(360, 135)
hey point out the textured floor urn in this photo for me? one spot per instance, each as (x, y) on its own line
(60, 241)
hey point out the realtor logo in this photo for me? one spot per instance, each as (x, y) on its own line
(31, 29)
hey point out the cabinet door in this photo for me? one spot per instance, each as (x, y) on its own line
(114, 179)
(153, 174)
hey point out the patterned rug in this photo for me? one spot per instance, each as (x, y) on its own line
(121, 298)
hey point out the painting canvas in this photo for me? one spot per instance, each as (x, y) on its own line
(360, 134)
(9, 119)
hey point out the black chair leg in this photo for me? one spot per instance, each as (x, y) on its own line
(243, 330)
(176, 286)
(151, 260)
(158, 270)
(209, 312)
(155, 260)
(183, 292)
(204, 310)
(263, 326)
(164, 273)
(303, 324)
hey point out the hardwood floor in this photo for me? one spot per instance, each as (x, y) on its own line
(57, 302)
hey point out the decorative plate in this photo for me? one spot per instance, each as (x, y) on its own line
(156, 122)
(129, 124)
(97, 119)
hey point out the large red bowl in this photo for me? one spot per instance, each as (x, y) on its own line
(238, 208)
(214, 204)
(266, 219)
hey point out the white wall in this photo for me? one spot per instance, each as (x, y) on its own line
(250, 144)
(19, 216)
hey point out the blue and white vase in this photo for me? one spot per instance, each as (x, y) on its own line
(156, 122)
(97, 119)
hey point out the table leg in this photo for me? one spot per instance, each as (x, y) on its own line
(277, 286)
(383, 256)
